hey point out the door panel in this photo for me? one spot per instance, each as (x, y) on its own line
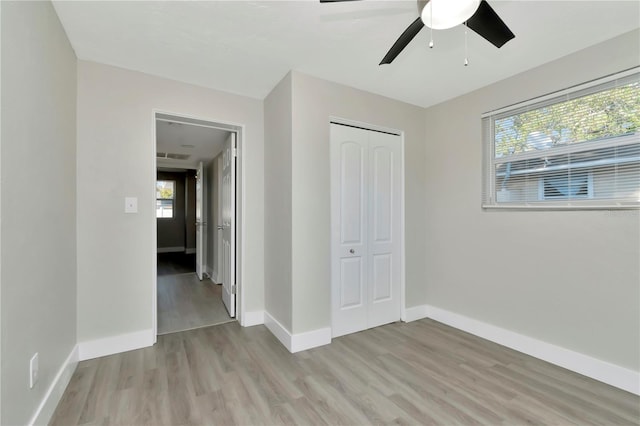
(351, 193)
(384, 212)
(228, 225)
(351, 283)
(381, 278)
(200, 223)
(349, 259)
(382, 174)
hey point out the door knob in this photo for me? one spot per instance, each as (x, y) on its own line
(219, 227)
(352, 251)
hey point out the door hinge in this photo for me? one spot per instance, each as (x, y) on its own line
(233, 289)
(234, 151)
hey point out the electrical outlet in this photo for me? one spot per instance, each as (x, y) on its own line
(33, 370)
(131, 204)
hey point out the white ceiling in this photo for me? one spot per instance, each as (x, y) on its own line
(199, 142)
(246, 47)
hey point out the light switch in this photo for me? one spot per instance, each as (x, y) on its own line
(131, 204)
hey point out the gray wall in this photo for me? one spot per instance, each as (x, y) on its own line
(571, 278)
(118, 300)
(38, 213)
(314, 102)
(297, 194)
(172, 231)
(277, 198)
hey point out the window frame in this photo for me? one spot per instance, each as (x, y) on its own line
(490, 194)
(173, 199)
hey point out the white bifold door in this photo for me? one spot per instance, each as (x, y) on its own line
(366, 241)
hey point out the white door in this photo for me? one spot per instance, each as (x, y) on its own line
(201, 225)
(228, 224)
(365, 236)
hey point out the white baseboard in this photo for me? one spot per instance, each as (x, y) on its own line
(190, 250)
(278, 330)
(215, 276)
(209, 273)
(297, 342)
(250, 319)
(115, 344)
(310, 339)
(54, 393)
(602, 371)
(170, 249)
(415, 313)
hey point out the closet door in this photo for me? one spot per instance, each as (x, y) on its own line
(349, 161)
(365, 239)
(384, 228)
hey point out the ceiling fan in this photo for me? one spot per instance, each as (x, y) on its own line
(442, 14)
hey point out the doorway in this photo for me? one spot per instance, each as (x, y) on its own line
(196, 223)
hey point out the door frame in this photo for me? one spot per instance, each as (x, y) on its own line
(377, 128)
(239, 130)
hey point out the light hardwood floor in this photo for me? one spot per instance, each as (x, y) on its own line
(417, 373)
(185, 302)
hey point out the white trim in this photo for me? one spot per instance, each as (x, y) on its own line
(215, 277)
(603, 371)
(278, 330)
(403, 262)
(297, 342)
(169, 249)
(252, 318)
(54, 393)
(310, 339)
(415, 313)
(189, 251)
(239, 130)
(116, 344)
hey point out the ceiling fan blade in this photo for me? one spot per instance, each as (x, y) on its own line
(488, 24)
(402, 41)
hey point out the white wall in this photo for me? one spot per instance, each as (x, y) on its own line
(38, 203)
(314, 102)
(115, 250)
(570, 278)
(277, 190)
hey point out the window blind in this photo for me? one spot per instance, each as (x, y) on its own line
(579, 148)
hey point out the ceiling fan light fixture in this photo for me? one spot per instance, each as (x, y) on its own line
(448, 13)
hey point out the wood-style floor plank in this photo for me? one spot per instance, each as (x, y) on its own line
(185, 303)
(400, 374)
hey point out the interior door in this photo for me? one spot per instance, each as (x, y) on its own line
(384, 230)
(366, 171)
(201, 225)
(349, 229)
(228, 224)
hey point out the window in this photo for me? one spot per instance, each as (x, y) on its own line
(579, 148)
(165, 196)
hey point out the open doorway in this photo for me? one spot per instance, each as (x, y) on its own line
(195, 223)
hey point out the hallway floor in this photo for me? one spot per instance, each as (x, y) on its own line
(185, 302)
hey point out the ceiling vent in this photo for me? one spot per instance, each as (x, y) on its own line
(172, 156)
